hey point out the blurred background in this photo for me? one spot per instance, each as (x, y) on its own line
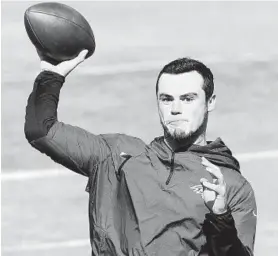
(44, 206)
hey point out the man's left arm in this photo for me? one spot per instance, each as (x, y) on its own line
(233, 232)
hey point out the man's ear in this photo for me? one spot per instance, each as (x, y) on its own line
(211, 103)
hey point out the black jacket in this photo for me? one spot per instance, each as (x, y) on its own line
(132, 209)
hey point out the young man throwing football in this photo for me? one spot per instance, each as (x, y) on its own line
(178, 195)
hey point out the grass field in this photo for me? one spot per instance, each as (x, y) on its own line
(114, 92)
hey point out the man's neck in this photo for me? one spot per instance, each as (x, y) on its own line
(175, 145)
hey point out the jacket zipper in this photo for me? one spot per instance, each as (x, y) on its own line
(172, 168)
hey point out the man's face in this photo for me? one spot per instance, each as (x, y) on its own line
(182, 104)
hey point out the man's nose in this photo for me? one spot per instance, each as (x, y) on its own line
(176, 108)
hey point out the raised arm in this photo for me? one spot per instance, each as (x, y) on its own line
(70, 146)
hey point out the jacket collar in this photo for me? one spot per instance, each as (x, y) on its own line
(215, 151)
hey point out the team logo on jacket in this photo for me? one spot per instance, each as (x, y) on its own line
(198, 189)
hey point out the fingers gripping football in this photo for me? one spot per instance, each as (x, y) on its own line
(65, 67)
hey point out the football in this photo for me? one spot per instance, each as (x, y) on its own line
(58, 31)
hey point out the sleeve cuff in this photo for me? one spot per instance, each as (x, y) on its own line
(49, 76)
(219, 224)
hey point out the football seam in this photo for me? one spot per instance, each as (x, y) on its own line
(69, 21)
(30, 24)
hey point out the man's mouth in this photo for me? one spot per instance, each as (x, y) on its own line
(176, 122)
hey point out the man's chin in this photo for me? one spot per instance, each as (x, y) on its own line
(178, 135)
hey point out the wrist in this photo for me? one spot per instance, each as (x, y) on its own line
(225, 216)
(220, 212)
(53, 73)
(46, 78)
(219, 224)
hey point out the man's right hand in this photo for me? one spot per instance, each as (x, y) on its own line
(65, 67)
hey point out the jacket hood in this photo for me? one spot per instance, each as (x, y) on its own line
(215, 151)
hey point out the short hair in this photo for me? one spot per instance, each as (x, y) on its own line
(184, 65)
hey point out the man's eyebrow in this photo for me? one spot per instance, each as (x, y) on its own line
(189, 94)
(165, 95)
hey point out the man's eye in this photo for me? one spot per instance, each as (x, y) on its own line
(165, 99)
(188, 99)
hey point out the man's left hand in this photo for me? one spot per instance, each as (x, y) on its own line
(214, 194)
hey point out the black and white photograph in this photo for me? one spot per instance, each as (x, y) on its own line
(139, 128)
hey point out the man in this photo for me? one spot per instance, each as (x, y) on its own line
(179, 195)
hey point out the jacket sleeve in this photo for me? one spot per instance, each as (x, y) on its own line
(233, 233)
(70, 146)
